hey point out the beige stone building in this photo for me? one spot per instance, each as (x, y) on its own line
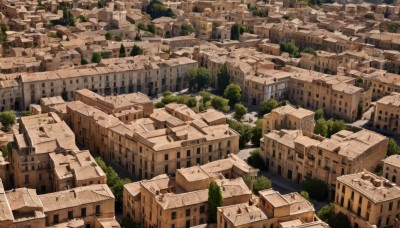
(84, 204)
(296, 154)
(147, 74)
(271, 210)
(181, 201)
(152, 142)
(367, 200)
(288, 117)
(44, 156)
(89, 206)
(336, 95)
(391, 167)
(387, 111)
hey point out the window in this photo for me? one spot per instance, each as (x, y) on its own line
(173, 226)
(70, 214)
(166, 169)
(188, 153)
(26, 179)
(97, 209)
(173, 215)
(166, 157)
(202, 209)
(390, 206)
(187, 224)
(178, 155)
(188, 212)
(188, 164)
(83, 212)
(209, 148)
(198, 150)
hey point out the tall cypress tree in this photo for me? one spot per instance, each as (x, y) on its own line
(214, 201)
(122, 51)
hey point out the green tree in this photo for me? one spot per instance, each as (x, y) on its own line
(203, 78)
(159, 105)
(7, 119)
(157, 9)
(101, 3)
(305, 195)
(83, 18)
(96, 58)
(316, 188)
(136, 50)
(205, 96)
(190, 77)
(255, 159)
(233, 93)
(290, 47)
(335, 127)
(393, 27)
(6, 150)
(220, 104)
(122, 51)
(186, 29)
(215, 200)
(360, 110)
(152, 28)
(240, 111)
(117, 38)
(340, 220)
(167, 93)
(244, 131)
(319, 114)
(286, 17)
(310, 51)
(105, 54)
(369, 16)
(261, 183)
(326, 212)
(236, 30)
(168, 99)
(267, 106)
(392, 148)
(223, 78)
(192, 102)
(142, 26)
(321, 128)
(3, 34)
(257, 133)
(26, 113)
(84, 61)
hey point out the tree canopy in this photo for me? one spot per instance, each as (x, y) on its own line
(136, 50)
(316, 188)
(290, 47)
(261, 183)
(238, 29)
(122, 51)
(198, 78)
(244, 131)
(157, 9)
(267, 106)
(257, 133)
(7, 119)
(215, 200)
(310, 51)
(327, 128)
(187, 29)
(240, 111)
(255, 159)
(220, 104)
(392, 148)
(233, 93)
(327, 214)
(96, 57)
(223, 78)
